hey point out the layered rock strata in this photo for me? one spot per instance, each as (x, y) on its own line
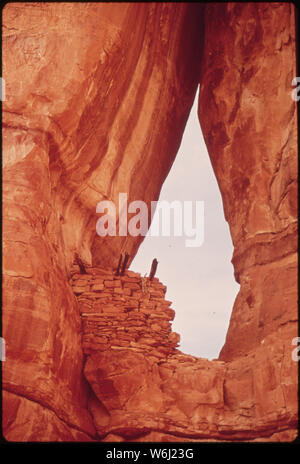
(90, 88)
(97, 97)
(145, 389)
(249, 122)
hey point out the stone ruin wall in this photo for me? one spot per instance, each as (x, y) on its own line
(72, 139)
(124, 312)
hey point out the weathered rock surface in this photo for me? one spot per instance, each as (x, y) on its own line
(141, 382)
(97, 100)
(193, 398)
(102, 85)
(249, 121)
(90, 90)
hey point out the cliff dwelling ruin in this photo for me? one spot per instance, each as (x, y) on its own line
(97, 99)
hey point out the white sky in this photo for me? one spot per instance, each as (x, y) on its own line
(200, 281)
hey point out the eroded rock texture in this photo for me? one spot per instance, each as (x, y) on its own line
(142, 383)
(249, 123)
(97, 100)
(92, 110)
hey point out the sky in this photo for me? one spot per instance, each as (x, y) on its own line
(200, 281)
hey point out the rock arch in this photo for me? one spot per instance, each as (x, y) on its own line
(97, 97)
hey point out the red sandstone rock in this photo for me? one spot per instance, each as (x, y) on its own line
(248, 120)
(71, 139)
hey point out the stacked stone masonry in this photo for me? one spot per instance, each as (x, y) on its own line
(127, 312)
(114, 123)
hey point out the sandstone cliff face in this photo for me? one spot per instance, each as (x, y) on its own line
(249, 122)
(90, 90)
(104, 85)
(142, 383)
(97, 99)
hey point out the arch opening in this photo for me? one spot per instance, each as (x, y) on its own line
(200, 280)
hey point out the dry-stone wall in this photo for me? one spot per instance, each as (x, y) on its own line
(126, 312)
